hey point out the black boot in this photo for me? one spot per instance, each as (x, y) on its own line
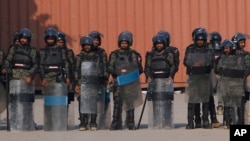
(205, 120)
(190, 116)
(117, 119)
(84, 122)
(93, 124)
(227, 119)
(213, 117)
(130, 120)
(197, 115)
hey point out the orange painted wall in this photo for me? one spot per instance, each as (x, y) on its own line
(142, 17)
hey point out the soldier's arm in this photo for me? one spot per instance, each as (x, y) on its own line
(247, 63)
(111, 64)
(34, 57)
(77, 69)
(9, 57)
(170, 59)
(147, 64)
(176, 59)
(66, 63)
(185, 63)
(41, 64)
(105, 60)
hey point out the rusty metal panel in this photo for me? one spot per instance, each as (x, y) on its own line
(143, 18)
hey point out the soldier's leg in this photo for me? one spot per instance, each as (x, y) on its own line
(82, 117)
(205, 120)
(213, 117)
(227, 119)
(93, 124)
(197, 115)
(117, 114)
(130, 119)
(241, 112)
(190, 116)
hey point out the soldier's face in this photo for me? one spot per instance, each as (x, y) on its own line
(242, 44)
(50, 41)
(227, 50)
(159, 46)
(60, 43)
(96, 41)
(16, 42)
(87, 48)
(124, 44)
(200, 43)
(23, 41)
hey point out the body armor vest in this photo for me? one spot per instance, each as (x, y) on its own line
(123, 60)
(22, 59)
(53, 61)
(160, 67)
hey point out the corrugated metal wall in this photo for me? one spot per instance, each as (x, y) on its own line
(142, 17)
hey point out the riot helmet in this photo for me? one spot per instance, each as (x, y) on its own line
(230, 45)
(25, 33)
(125, 36)
(199, 29)
(50, 33)
(237, 38)
(159, 39)
(166, 36)
(98, 35)
(15, 37)
(215, 40)
(61, 36)
(86, 40)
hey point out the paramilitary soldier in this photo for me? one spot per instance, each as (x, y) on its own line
(125, 67)
(199, 61)
(239, 41)
(90, 80)
(231, 68)
(21, 64)
(160, 68)
(104, 119)
(55, 76)
(62, 43)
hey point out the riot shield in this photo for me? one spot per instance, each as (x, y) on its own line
(55, 107)
(129, 88)
(92, 94)
(231, 91)
(160, 106)
(104, 119)
(22, 96)
(2, 98)
(198, 89)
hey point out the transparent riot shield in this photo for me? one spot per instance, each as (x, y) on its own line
(104, 119)
(22, 97)
(231, 91)
(160, 105)
(198, 89)
(71, 108)
(55, 107)
(92, 94)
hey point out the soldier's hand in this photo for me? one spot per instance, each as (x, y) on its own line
(4, 71)
(44, 82)
(27, 80)
(77, 89)
(68, 81)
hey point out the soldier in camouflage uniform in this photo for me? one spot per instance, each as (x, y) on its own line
(122, 63)
(199, 61)
(239, 41)
(160, 68)
(231, 68)
(90, 79)
(55, 77)
(21, 64)
(61, 42)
